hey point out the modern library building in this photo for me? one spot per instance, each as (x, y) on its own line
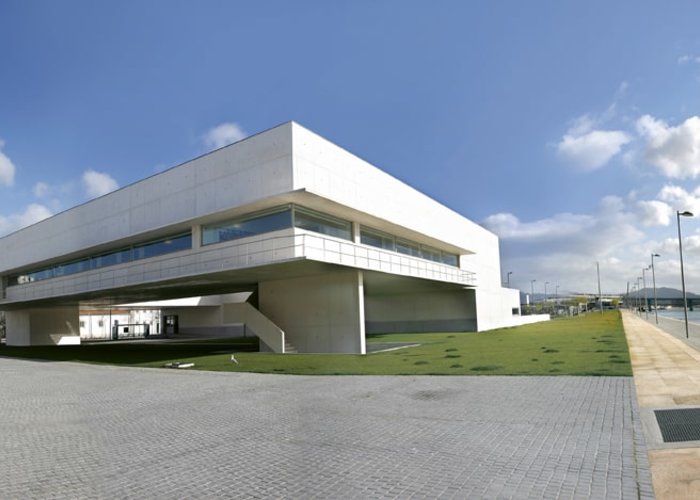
(283, 234)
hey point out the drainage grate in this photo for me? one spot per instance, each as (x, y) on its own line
(679, 425)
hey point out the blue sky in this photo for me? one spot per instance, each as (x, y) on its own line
(571, 129)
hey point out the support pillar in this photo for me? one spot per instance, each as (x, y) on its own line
(43, 326)
(321, 314)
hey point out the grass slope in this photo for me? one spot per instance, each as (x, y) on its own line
(586, 345)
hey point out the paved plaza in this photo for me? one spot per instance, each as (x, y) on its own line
(667, 377)
(82, 431)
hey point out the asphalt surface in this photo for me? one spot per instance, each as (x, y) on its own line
(84, 431)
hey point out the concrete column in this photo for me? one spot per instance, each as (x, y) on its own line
(323, 313)
(43, 326)
(196, 236)
(356, 232)
(17, 328)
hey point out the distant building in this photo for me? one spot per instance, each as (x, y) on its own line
(327, 247)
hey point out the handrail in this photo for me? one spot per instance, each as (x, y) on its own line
(260, 324)
(231, 255)
(333, 250)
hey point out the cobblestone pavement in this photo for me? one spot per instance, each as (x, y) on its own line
(81, 431)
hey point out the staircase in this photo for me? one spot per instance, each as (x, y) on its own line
(289, 348)
(259, 324)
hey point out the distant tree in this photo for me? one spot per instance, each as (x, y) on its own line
(574, 301)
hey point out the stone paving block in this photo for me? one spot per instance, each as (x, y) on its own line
(80, 431)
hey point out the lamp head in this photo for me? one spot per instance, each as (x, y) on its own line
(685, 213)
(655, 255)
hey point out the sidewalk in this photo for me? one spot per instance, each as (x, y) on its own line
(667, 376)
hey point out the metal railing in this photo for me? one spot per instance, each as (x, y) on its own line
(331, 250)
(239, 255)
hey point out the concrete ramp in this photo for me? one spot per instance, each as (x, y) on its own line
(258, 323)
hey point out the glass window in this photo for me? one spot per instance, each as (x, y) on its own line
(42, 274)
(450, 259)
(111, 259)
(248, 226)
(174, 244)
(386, 241)
(321, 223)
(70, 268)
(143, 251)
(377, 239)
(408, 248)
(431, 254)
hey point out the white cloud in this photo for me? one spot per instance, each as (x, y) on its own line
(592, 149)
(680, 199)
(7, 168)
(224, 134)
(612, 204)
(508, 226)
(32, 214)
(564, 248)
(586, 144)
(620, 235)
(581, 125)
(654, 213)
(97, 183)
(689, 59)
(41, 189)
(675, 151)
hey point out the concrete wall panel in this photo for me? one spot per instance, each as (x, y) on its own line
(320, 313)
(495, 308)
(328, 170)
(42, 326)
(256, 168)
(420, 311)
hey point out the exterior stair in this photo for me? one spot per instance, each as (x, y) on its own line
(289, 348)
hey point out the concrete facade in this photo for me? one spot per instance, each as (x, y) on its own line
(43, 326)
(323, 284)
(321, 313)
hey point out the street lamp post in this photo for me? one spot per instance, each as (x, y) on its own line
(653, 278)
(646, 300)
(600, 296)
(639, 296)
(545, 292)
(508, 278)
(680, 214)
(532, 295)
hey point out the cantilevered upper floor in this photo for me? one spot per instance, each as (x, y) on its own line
(332, 246)
(285, 202)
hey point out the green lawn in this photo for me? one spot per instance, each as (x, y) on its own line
(587, 345)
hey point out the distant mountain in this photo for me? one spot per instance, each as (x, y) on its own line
(665, 293)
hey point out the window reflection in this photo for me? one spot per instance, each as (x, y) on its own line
(142, 251)
(380, 239)
(247, 226)
(322, 223)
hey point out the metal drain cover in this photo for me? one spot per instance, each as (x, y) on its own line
(679, 425)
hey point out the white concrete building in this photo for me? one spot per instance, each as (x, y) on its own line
(331, 247)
